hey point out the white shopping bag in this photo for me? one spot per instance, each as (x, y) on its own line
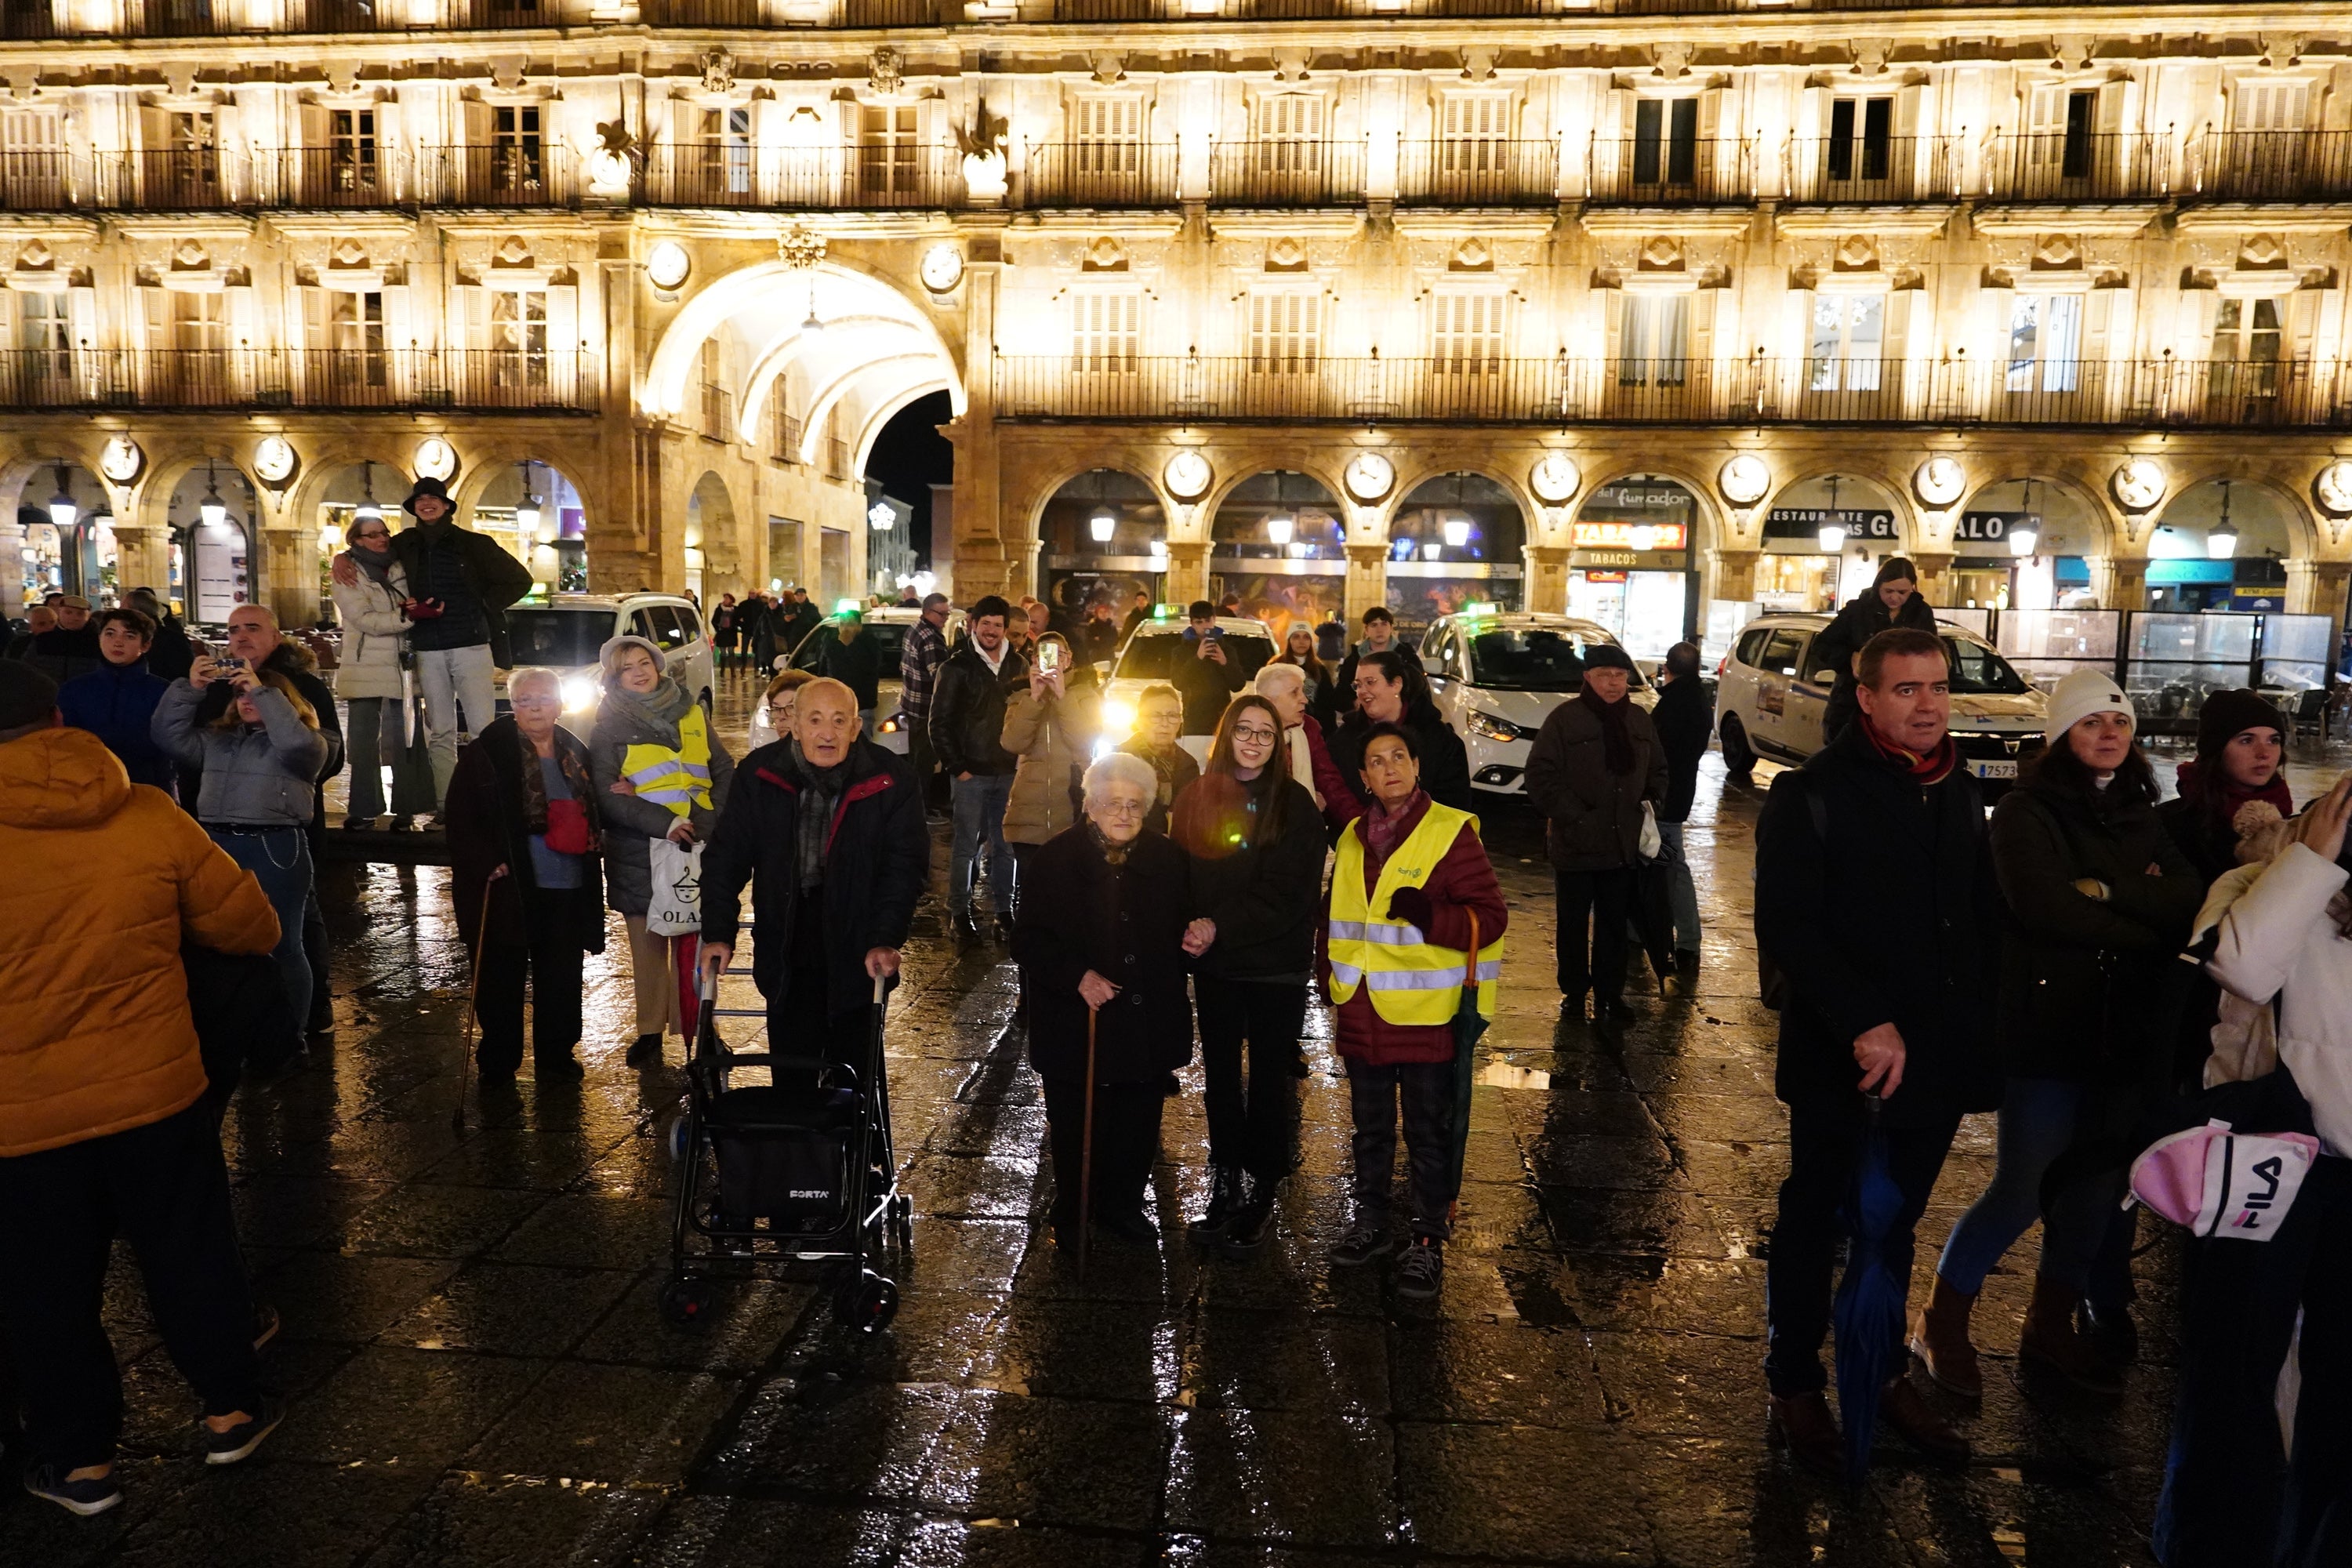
(1652, 843)
(676, 908)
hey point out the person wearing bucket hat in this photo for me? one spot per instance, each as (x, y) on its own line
(2099, 900)
(460, 584)
(2241, 748)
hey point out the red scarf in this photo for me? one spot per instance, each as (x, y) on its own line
(2194, 785)
(1931, 768)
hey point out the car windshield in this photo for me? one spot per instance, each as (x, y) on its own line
(887, 640)
(562, 638)
(1528, 658)
(1978, 672)
(1151, 654)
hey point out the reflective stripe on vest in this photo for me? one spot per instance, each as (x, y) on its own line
(1411, 981)
(680, 779)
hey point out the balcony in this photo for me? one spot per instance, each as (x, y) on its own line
(1668, 172)
(2273, 166)
(1285, 174)
(1099, 174)
(1819, 171)
(1469, 171)
(483, 380)
(2134, 394)
(895, 177)
(2070, 166)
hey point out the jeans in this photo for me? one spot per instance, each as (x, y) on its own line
(1682, 892)
(1826, 1146)
(452, 678)
(1605, 901)
(280, 859)
(551, 961)
(2037, 1123)
(1126, 1140)
(979, 844)
(1427, 1090)
(1250, 1124)
(2230, 1497)
(164, 1187)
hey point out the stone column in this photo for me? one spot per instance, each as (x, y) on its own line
(12, 564)
(142, 558)
(1547, 581)
(984, 561)
(1734, 571)
(1368, 580)
(1935, 573)
(290, 573)
(2119, 581)
(1187, 571)
(2317, 588)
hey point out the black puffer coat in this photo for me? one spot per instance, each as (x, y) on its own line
(1864, 616)
(1266, 894)
(2085, 982)
(1125, 922)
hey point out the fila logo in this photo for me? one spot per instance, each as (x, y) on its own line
(2267, 1172)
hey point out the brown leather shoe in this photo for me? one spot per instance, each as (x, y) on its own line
(1905, 1409)
(2051, 1341)
(1939, 1338)
(1803, 1422)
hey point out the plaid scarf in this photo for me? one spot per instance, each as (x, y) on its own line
(1930, 768)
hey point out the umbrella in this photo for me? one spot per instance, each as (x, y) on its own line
(1868, 1311)
(1468, 1027)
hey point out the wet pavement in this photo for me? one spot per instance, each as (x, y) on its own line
(478, 1373)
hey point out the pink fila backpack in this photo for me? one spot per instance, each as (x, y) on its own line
(2221, 1183)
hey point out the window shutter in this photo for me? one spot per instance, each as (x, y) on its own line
(1814, 113)
(2202, 308)
(81, 307)
(315, 333)
(1701, 346)
(1797, 325)
(468, 325)
(564, 340)
(1616, 304)
(2303, 324)
(399, 328)
(159, 317)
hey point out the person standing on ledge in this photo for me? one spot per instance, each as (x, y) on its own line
(1893, 601)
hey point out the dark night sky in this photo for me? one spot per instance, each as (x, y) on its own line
(910, 457)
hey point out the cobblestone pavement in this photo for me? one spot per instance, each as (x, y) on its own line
(478, 1373)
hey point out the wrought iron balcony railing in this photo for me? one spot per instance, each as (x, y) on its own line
(1285, 174)
(892, 177)
(1666, 171)
(243, 378)
(2146, 393)
(1819, 171)
(2272, 166)
(2064, 166)
(1099, 174)
(1473, 172)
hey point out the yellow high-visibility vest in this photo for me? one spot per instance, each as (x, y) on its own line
(678, 779)
(1411, 981)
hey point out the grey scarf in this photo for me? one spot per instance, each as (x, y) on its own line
(819, 800)
(659, 708)
(377, 568)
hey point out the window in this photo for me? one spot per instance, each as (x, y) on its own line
(1286, 332)
(1473, 133)
(1751, 648)
(354, 332)
(1860, 145)
(2059, 143)
(518, 336)
(727, 151)
(1106, 331)
(886, 151)
(41, 323)
(1107, 136)
(2045, 343)
(1653, 348)
(517, 162)
(32, 156)
(1665, 141)
(350, 149)
(1781, 653)
(659, 625)
(785, 429)
(191, 158)
(199, 322)
(2246, 344)
(2269, 106)
(1977, 670)
(1465, 336)
(1849, 333)
(1288, 133)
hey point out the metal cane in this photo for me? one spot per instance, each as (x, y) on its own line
(1087, 1153)
(481, 940)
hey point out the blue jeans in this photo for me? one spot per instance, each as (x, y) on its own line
(1683, 893)
(280, 860)
(2037, 1123)
(980, 803)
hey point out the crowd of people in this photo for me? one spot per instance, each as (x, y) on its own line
(1314, 844)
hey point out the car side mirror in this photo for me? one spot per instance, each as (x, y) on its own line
(1824, 678)
(1432, 665)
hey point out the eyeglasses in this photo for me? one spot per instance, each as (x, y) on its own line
(1253, 732)
(1121, 807)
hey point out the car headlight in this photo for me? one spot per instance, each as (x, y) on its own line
(889, 726)
(579, 694)
(1487, 727)
(1118, 721)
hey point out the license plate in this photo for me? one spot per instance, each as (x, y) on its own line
(1994, 769)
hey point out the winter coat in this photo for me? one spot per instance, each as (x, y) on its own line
(487, 829)
(1206, 686)
(857, 664)
(491, 574)
(1266, 897)
(1593, 817)
(255, 776)
(1182, 769)
(374, 630)
(1054, 741)
(116, 703)
(876, 866)
(1893, 918)
(1683, 720)
(967, 712)
(62, 654)
(2084, 982)
(1125, 923)
(1445, 762)
(95, 1036)
(1460, 886)
(299, 666)
(1864, 616)
(2282, 939)
(171, 655)
(631, 822)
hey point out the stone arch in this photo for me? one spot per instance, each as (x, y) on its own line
(1072, 565)
(321, 470)
(2294, 504)
(1281, 581)
(710, 514)
(497, 487)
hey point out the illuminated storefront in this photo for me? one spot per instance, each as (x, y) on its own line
(1278, 545)
(1630, 563)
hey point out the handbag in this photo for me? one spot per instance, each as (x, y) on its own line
(2220, 1182)
(675, 906)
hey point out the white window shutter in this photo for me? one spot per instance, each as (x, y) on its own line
(1700, 344)
(81, 307)
(468, 324)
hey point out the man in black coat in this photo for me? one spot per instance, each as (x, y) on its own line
(1893, 600)
(831, 826)
(1876, 902)
(966, 729)
(1684, 719)
(171, 655)
(1202, 673)
(855, 660)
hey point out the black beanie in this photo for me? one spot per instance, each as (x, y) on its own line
(26, 696)
(2228, 713)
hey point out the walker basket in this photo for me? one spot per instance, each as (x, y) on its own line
(785, 1152)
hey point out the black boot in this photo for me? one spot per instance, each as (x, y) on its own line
(1224, 1197)
(1253, 1217)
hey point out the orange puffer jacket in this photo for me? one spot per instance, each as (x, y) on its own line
(102, 877)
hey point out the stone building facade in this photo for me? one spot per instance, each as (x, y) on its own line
(1327, 302)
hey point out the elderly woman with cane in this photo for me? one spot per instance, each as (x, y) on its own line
(1102, 936)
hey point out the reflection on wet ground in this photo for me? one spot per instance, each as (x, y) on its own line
(479, 1375)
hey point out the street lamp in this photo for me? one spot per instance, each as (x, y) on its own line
(1457, 531)
(2222, 542)
(367, 510)
(527, 513)
(1103, 524)
(1831, 535)
(62, 509)
(1278, 527)
(212, 512)
(2022, 539)
(879, 516)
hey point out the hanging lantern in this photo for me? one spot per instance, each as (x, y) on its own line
(1278, 527)
(62, 509)
(1103, 524)
(2222, 542)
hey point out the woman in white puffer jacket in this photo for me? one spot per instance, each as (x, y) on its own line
(2230, 1495)
(368, 678)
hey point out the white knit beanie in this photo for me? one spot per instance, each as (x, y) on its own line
(2082, 693)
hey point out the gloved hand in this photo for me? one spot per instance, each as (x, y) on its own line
(1411, 906)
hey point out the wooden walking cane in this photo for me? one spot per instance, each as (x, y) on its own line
(481, 940)
(1086, 1152)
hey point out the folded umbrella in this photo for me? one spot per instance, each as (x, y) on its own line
(1469, 1025)
(1868, 1311)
